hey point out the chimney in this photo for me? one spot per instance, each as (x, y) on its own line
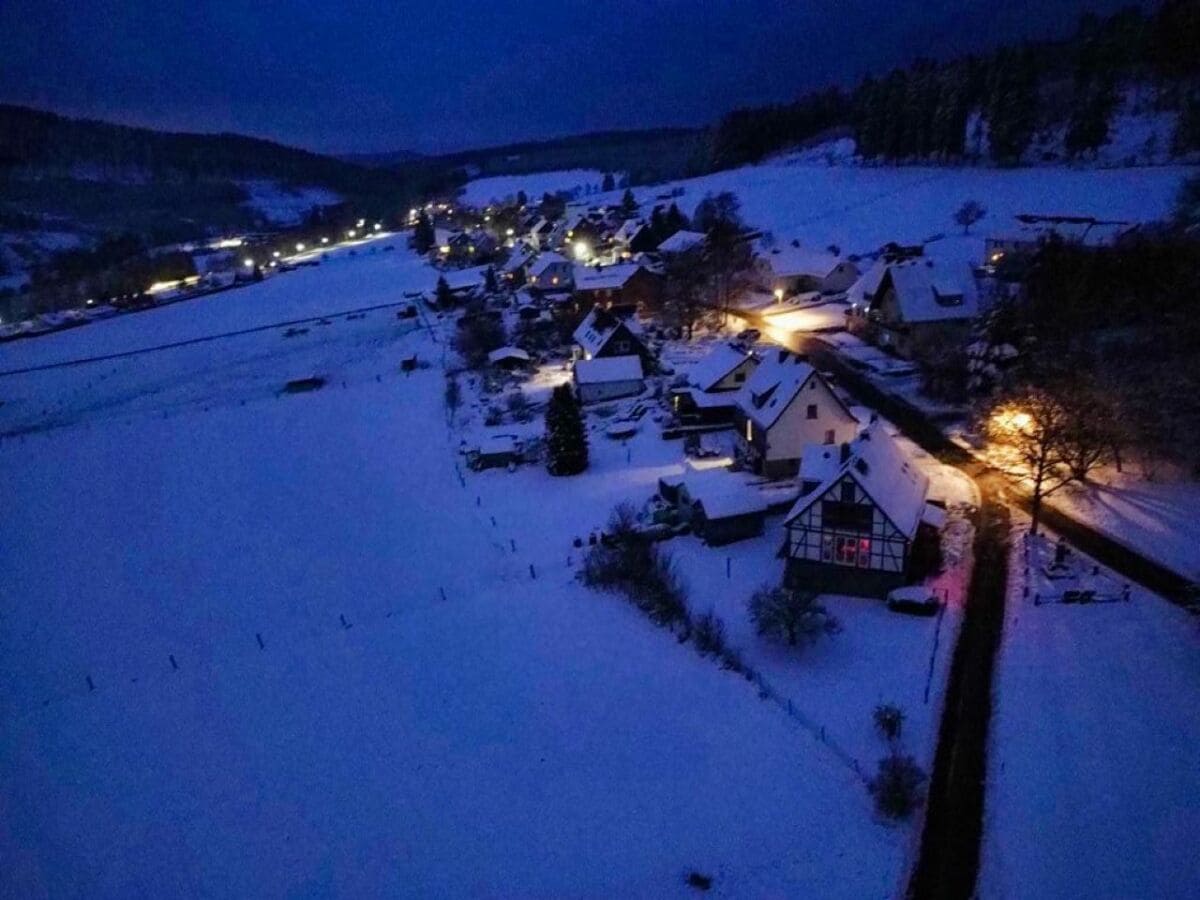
(845, 455)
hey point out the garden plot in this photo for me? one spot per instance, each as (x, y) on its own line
(1092, 781)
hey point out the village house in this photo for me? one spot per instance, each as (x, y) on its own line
(550, 271)
(853, 533)
(710, 396)
(470, 246)
(720, 507)
(794, 269)
(602, 334)
(608, 378)
(914, 304)
(785, 406)
(623, 288)
(682, 241)
(512, 270)
(539, 234)
(633, 237)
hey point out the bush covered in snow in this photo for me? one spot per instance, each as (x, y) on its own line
(791, 616)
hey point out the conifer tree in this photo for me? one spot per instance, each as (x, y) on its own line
(423, 234)
(489, 281)
(566, 437)
(443, 294)
(629, 206)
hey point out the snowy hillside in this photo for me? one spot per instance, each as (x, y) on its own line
(858, 209)
(488, 190)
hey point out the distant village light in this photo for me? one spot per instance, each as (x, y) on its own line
(299, 246)
(248, 262)
(378, 225)
(324, 240)
(351, 233)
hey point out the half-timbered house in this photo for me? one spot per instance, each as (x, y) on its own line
(852, 533)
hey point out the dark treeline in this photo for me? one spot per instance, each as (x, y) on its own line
(922, 111)
(37, 142)
(1117, 329)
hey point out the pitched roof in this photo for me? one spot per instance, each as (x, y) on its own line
(508, 353)
(545, 261)
(773, 386)
(723, 359)
(681, 241)
(629, 230)
(608, 368)
(595, 278)
(597, 327)
(793, 259)
(876, 462)
(927, 293)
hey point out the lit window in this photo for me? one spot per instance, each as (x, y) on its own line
(749, 430)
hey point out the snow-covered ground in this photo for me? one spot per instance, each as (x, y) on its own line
(482, 191)
(283, 204)
(1160, 519)
(258, 644)
(1093, 786)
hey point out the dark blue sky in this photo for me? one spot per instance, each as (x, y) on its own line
(369, 75)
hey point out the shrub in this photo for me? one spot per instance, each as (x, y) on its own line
(794, 616)
(889, 719)
(897, 786)
(518, 405)
(626, 562)
(709, 634)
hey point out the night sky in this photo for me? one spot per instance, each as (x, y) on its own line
(373, 75)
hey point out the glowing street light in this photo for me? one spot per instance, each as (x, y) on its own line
(299, 246)
(582, 250)
(324, 240)
(351, 233)
(378, 225)
(778, 295)
(248, 262)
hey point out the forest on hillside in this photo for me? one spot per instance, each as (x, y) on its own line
(993, 105)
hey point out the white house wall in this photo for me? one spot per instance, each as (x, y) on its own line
(794, 430)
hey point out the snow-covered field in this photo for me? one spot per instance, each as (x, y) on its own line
(482, 191)
(1093, 788)
(256, 644)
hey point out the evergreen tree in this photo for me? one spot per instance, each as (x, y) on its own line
(1012, 107)
(443, 294)
(489, 281)
(424, 236)
(629, 206)
(566, 437)
(1087, 130)
(1187, 128)
(609, 182)
(522, 198)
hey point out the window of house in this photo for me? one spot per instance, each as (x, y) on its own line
(622, 346)
(829, 436)
(852, 551)
(812, 410)
(843, 516)
(739, 377)
(847, 491)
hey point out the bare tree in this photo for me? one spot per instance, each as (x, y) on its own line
(684, 281)
(789, 615)
(1035, 433)
(969, 213)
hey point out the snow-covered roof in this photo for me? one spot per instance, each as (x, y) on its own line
(681, 241)
(460, 279)
(518, 258)
(723, 359)
(876, 462)
(608, 368)
(703, 400)
(820, 462)
(864, 289)
(597, 327)
(545, 261)
(593, 278)
(503, 353)
(628, 230)
(927, 293)
(793, 259)
(728, 500)
(773, 386)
